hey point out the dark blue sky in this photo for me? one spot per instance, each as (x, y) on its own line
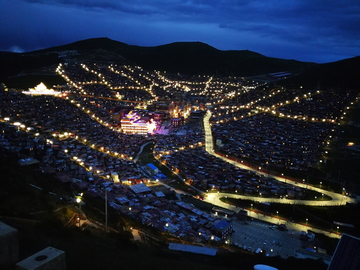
(306, 30)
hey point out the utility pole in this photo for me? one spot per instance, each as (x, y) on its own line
(106, 217)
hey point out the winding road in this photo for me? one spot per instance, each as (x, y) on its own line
(214, 198)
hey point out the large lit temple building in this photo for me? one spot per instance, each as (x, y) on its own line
(139, 121)
(41, 89)
(133, 123)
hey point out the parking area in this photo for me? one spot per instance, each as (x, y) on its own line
(257, 235)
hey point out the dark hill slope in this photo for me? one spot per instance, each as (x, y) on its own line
(90, 44)
(188, 58)
(344, 74)
(199, 58)
(12, 64)
(182, 57)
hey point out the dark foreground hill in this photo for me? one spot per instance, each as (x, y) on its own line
(40, 217)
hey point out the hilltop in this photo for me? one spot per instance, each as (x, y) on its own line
(195, 58)
(344, 74)
(179, 57)
(185, 57)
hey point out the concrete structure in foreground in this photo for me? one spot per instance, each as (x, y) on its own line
(193, 249)
(346, 254)
(9, 246)
(48, 259)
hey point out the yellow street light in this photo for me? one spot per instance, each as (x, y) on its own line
(78, 200)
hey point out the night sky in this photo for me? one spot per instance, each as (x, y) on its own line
(306, 30)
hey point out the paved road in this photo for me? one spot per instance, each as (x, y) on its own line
(256, 237)
(214, 198)
(337, 199)
(140, 151)
(136, 235)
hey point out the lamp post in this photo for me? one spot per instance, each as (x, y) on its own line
(320, 184)
(277, 213)
(306, 222)
(78, 200)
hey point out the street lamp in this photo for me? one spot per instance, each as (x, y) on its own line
(320, 184)
(277, 213)
(78, 200)
(306, 222)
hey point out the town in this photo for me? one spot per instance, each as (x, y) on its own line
(214, 136)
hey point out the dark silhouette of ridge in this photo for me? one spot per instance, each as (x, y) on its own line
(182, 57)
(343, 74)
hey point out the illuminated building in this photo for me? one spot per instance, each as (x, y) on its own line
(159, 116)
(41, 89)
(133, 124)
(172, 107)
(176, 122)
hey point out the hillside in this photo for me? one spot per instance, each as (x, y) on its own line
(34, 214)
(188, 57)
(182, 57)
(344, 74)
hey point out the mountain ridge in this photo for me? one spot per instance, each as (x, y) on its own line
(183, 57)
(193, 58)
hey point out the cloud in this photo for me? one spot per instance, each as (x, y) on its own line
(269, 27)
(16, 49)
